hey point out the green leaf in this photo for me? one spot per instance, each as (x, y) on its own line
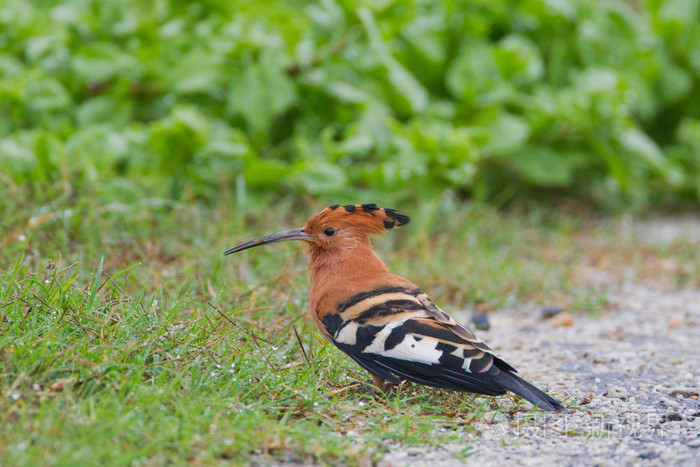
(265, 173)
(694, 57)
(474, 71)
(425, 33)
(177, 138)
(94, 151)
(639, 144)
(507, 134)
(346, 92)
(101, 61)
(676, 83)
(17, 157)
(198, 71)
(463, 175)
(262, 92)
(110, 110)
(678, 14)
(546, 167)
(226, 143)
(689, 134)
(10, 66)
(400, 78)
(519, 59)
(327, 15)
(47, 95)
(318, 177)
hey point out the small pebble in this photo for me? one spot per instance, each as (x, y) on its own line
(675, 322)
(481, 321)
(648, 454)
(416, 451)
(694, 443)
(550, 311)
(587, 399)
(562, 320)
(671, 417)
(685, 392)
(671, 404)
(616, 392)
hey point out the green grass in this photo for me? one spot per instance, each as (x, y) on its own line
(127, 338)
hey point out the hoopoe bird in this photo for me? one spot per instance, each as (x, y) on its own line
(384, 322)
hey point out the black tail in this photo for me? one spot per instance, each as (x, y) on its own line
(529, 392)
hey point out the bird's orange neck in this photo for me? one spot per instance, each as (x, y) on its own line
(327, 266)
(338, 273)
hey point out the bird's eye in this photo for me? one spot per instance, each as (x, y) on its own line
(329, 232)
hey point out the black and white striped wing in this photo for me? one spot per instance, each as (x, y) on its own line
(396, 334)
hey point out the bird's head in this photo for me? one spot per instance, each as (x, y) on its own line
(335, 228)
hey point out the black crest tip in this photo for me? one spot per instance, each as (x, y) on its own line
(399, 219)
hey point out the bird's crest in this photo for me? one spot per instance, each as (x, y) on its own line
(367, 217)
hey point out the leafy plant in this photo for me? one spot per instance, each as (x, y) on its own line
(400, 100)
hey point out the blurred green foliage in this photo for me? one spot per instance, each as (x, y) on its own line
(397, 100)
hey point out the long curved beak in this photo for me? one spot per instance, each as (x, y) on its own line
(294, 234)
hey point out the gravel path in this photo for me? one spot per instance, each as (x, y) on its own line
(640, 361)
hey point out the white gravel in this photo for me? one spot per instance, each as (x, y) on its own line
(641, 362)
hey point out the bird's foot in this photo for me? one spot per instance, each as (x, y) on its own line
(388, 386)
(383, 387)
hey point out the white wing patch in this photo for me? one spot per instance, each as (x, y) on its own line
(460, 354)
(465, 365)
(348, 334)
(409, 349)
(377, 345)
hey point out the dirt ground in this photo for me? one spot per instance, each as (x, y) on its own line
(632, 371)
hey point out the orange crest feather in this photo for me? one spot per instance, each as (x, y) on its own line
(368, 218)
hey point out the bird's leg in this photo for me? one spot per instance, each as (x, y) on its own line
(384, 385)
(379, 382)
(381, 385)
